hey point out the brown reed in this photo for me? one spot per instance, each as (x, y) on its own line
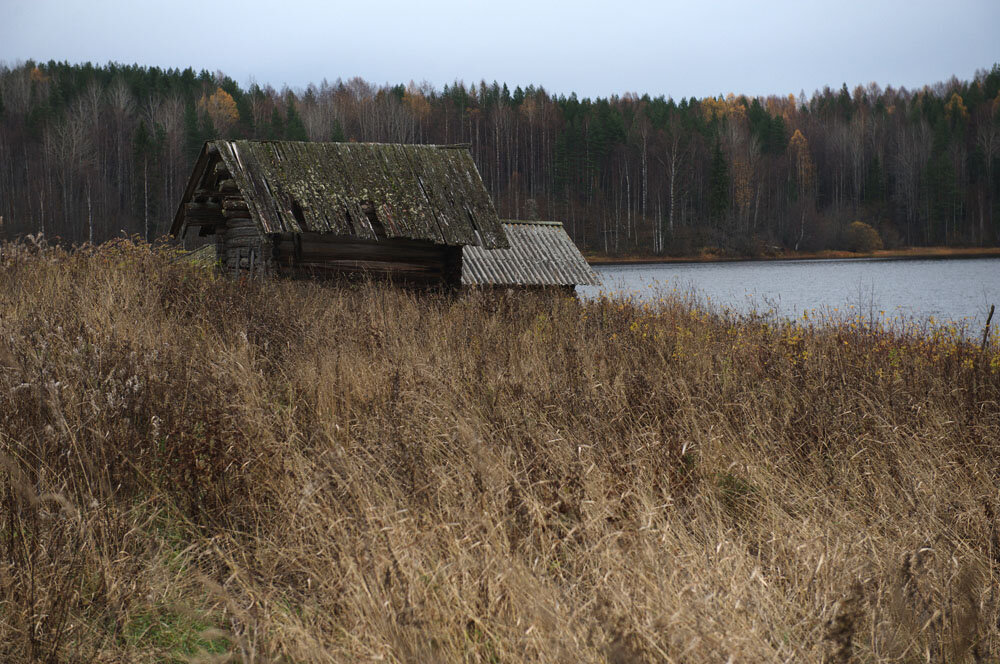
(196, 468)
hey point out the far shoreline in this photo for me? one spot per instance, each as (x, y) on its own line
(896, 254)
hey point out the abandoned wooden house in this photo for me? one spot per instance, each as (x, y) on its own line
(401, 211)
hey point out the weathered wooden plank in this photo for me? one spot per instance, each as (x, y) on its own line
(199, 217)
(357, 244)
(335, 184)
(434, 208)
(242, 232)
(308, 188)
(238, 242)
(243, 167)
(394, 209)
(242, 243)
(233, 236)
(361, 266)
(467, 198)
(383, 253)
(386, 254)
(235, 204)
(357, 219)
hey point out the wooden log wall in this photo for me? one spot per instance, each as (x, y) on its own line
(308, 255)
(243, 249)
(218, 209)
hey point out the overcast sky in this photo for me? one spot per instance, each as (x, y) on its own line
(675, 48)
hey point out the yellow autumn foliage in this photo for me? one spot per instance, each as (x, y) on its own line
(862, 237)
(221, 108)
(799, 147)
(417, 101)
(955, 108)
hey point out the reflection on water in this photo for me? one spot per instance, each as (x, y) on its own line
(959, 290)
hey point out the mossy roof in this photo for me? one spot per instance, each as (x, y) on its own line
(364, 190)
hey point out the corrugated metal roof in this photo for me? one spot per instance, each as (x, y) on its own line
(364, 190)
(540, 254)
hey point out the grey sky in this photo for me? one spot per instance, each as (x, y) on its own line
(593, 48)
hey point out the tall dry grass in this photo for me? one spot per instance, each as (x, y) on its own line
(193, 467)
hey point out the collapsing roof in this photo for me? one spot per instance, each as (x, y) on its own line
(369, 191)
(540, 254)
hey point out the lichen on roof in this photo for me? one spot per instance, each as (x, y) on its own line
(365, 190)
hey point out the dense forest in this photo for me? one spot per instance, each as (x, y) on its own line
(90, 152)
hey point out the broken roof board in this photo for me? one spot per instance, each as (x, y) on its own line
(420, 192)
(540, 254)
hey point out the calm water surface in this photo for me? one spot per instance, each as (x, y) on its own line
(959, 290)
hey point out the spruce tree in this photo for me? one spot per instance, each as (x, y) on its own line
(207, 129)
(294, 129)
(718, 184)
(275, 129)
(337, 132)
(192, 131)
(874, 187)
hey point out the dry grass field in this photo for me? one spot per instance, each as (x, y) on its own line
(198, 469)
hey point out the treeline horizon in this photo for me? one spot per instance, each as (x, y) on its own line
(90, 152)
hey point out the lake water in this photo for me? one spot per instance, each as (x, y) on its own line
(954, 289)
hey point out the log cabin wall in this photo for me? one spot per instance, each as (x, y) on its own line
(243, 249)
(414, 262)
(220, 243)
